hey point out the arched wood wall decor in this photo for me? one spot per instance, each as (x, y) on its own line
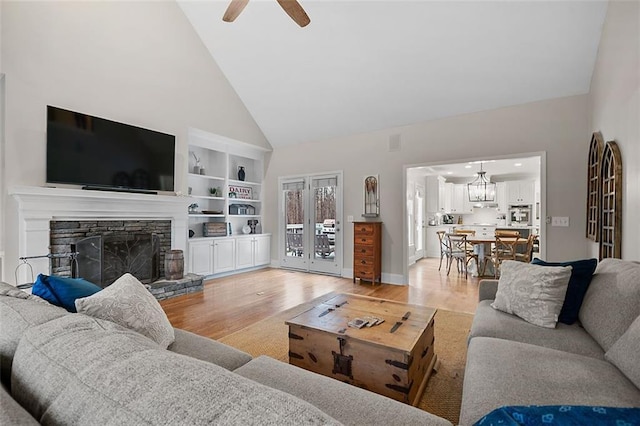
(611, 202)
(593, 186)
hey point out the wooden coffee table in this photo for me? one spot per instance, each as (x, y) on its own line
(394, 363)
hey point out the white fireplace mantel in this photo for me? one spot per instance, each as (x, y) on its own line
(37, 206)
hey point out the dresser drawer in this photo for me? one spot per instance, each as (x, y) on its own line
(364, 240)
(363, 229)
(364, 274)
(364, 250)
(364, 262)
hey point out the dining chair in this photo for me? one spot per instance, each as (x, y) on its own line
(527, 254)
(461, 252)
(469, 232)
(507, 233)
(505, 249)
(445, 249)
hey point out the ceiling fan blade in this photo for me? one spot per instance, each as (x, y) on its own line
(234, 9)
(297, 13)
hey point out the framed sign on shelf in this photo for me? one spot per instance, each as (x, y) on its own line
(242, 192)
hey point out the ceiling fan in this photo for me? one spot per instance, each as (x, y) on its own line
(292, 7)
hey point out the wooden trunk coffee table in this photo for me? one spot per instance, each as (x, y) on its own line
(394, 363)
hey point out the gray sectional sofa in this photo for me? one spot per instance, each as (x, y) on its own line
(60, 368)
(594, 362)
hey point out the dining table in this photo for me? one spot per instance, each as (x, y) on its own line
(482, 246)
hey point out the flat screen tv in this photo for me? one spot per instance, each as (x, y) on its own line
(104, 154)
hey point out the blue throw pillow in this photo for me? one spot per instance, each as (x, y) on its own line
(578, 284)
(560, 415)
(62, 291)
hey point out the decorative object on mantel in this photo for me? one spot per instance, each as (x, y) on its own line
(593, 186)
(174, 265)
(193, 208)
(481, 189)
(611, 202)
(371, 196)
(241, 173)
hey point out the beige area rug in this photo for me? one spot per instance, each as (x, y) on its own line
(443, 394)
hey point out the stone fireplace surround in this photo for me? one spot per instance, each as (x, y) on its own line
(38, 206)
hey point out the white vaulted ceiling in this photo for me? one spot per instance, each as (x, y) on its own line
(361, 66)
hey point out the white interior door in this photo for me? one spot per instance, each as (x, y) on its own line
(311, 223)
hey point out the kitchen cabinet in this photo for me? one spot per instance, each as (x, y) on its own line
(520, 192)
(501, 197)
(435, 197)
(448, 197)
(253, 250)
(483, 231)
(433, 242)
(460, 203)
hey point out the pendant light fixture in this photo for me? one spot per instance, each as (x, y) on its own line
(481, 189)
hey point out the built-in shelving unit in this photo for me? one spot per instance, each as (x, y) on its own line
(222, 197)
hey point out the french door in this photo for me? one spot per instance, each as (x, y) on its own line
(311, 223)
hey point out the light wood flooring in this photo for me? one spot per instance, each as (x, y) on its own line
(231, 303)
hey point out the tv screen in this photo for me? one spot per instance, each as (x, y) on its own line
(92, 151)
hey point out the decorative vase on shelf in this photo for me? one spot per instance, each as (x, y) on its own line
(241, 174)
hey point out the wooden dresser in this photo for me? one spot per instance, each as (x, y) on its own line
(367, 251)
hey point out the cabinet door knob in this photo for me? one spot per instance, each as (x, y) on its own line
(364, 240)
(363, 251)
(363, 262)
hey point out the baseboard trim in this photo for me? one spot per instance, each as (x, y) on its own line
(395, 279)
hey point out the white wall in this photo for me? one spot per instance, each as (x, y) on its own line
(614, 107)
(136, 62)
(557, 126)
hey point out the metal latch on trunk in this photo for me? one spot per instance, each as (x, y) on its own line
(342, 362)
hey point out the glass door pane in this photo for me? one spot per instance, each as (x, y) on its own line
(293, 197)
(326, 224)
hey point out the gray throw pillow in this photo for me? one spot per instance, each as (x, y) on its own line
(624, 353)
(127, 302)
(532, 292)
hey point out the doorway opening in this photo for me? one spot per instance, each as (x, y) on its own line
(438, 200)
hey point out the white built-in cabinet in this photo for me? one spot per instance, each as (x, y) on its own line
(201, 257)
(435, 188)
(520, 192)
(224, 255)
(221, 196)
(460, 203)
(252, 251)
(501, 197)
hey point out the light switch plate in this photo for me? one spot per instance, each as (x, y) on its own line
(559, 221)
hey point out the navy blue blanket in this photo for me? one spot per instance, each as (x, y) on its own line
(561, 415)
